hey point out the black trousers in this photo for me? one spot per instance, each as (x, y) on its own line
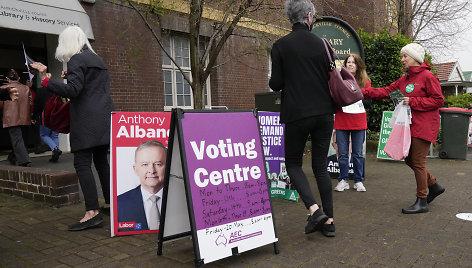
(83, 167)
(18, 145)
(320, 129)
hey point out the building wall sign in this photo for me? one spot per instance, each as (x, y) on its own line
(44, 16)
(341, 35)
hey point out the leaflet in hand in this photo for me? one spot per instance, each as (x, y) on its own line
(396, 96)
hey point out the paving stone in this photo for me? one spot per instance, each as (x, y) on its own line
(96, 262)
(371, 230)
(72, 259)
(466, 260)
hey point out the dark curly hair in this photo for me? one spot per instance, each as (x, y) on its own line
(12, 75)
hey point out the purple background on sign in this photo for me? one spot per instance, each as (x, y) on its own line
(276, 152)
(217, 205)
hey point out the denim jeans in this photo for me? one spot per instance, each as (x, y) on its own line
(320, 129)
(357, 138)
(50, 137)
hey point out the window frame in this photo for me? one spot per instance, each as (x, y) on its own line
(167, 65)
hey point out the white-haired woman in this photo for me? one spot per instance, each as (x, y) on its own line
(88, 88)
(300, 69)
(423, 93)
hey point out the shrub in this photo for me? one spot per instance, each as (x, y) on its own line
(461, 101)
(383, 63)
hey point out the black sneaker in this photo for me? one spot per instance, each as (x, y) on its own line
(315, 221)
(55, 155)
(328, 230)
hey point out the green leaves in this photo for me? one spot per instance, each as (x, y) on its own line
(383, 62)
(461, 101)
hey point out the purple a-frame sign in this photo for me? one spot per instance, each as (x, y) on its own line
(226, 183)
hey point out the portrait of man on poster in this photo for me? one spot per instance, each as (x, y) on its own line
(142, 204)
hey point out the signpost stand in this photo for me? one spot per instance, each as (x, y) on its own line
(215, 176)
(385, 130)
(272, 134)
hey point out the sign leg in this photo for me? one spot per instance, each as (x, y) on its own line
(276, 247)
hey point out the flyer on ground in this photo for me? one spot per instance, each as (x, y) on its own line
(139, 142)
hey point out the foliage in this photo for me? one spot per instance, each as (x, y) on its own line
(372, 135)
(383, 63)
(461, 101)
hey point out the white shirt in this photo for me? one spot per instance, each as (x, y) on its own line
(148, 203)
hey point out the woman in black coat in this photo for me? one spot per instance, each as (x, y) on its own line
(88, 88)
(300, 69)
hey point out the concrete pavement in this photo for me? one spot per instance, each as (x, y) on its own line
(371, 231)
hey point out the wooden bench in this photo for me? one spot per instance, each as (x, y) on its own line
(55, 187)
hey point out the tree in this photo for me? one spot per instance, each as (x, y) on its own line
(437, 24)
(230, 14)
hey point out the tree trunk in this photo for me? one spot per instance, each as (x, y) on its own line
(198, 95)
(402, 25)
(196, 9)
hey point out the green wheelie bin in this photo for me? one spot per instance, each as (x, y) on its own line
(455, 130)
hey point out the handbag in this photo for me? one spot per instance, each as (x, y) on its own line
(343, 87)
(56, 114)
(399, 141)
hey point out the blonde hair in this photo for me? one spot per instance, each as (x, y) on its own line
(361, 74)
(71, 41)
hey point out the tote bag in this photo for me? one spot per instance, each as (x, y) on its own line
(342, 84)
(398, 144)
(56, 114)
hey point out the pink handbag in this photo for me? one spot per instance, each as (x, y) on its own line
(342, 84)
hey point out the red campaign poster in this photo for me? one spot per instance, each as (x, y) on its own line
(139, 142)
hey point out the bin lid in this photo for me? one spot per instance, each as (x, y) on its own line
(455, 110)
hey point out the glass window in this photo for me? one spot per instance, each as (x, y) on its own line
(177, 90)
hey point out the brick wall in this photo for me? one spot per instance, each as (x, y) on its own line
(134, 57)
(131, 54)
(55, 187)
(134, 61)
(242, 72)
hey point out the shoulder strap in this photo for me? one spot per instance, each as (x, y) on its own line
(327, 50)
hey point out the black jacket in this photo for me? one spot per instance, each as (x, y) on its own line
(39, 103)
(300, 68)
(88, 88)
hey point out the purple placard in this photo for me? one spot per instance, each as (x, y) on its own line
(272, 133)
(225, 167)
